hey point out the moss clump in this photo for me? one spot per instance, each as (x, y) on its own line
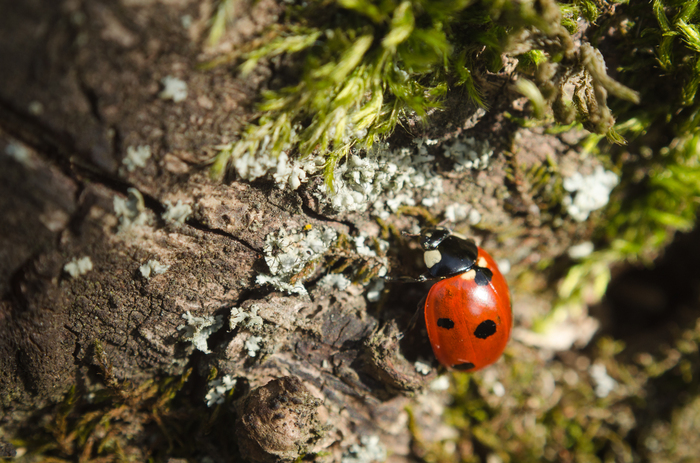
(368, 65)
(119, 422)
(605, 405)
(659, 190)
(661, 175)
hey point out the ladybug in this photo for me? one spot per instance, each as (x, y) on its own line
(467, 311)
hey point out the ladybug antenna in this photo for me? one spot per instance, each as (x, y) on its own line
(407, 279)
(443, 223)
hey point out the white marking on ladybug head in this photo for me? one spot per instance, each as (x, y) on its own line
(481, 262)
(459, 235)
(470, 275)
(432, 257)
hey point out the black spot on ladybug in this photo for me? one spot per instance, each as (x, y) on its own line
(485, 329)
(463, 366)
(483, 276)
(445, 323)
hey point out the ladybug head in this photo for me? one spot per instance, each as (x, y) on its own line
(430, 238)
(446, 253)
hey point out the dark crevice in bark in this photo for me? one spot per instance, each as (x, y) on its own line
(322, 218)
(58, 148)
(92, 98)
(116, 139)
(202, 227)
(14, 291)
(23, 373)
(78, 346)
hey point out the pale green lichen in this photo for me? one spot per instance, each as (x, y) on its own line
(136, 157)
(176, 213)
(370, 449)
(292, 256)
(252, 345)
(131, 211)
(588, 193)
(198, 329)
(219, 389)
(247, 319)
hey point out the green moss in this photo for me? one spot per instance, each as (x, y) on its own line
(368, 65)
(660, 175)
(659, 190)
(550, 413)
(108, 424)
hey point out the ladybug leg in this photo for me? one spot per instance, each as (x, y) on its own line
(419, 313)
(403, 279)
(419, 279)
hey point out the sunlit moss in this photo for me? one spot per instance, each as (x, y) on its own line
(367, 65)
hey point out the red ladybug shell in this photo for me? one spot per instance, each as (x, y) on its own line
(468, 324)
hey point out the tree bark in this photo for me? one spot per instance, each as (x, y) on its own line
(80, 85)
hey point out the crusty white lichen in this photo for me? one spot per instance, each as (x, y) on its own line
(588, 193)
(280, 282)
(370, 449)
(441, 383)
(136, 157)
(296, 172)
(249, 320)
(334, 281)
(78, 267)
(218, 388)
(285, 172)
(383, 180)
(19, 153)
(581, 250)
(375, 289)
(177, 213)
(380, 180)
(152, 268)
(198, 329)
(378, 244)
(131, 210)
(468, 153)
(252, 345)
(456, 212)
(288, 253)
(604, 383)
(173, 89)
(422, 367)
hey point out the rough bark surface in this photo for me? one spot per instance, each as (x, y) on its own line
(79, 85)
